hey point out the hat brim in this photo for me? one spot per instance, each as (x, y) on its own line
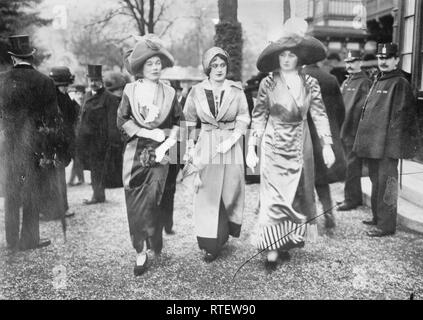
(386, 56)
(351, 59)
(309, 51)
(134, 66)
(26, 55)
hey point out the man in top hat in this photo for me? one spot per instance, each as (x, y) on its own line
(354, 91)
(385, 135)
(28, 121)
(97, 130)
(55, 205)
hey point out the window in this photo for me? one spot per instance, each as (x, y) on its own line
(408, 32)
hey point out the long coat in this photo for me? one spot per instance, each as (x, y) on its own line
(279, 121)
(335, 110)
(144, 179)
(55, 201)
(388, 122)
(28, 125)
(222, 175)
(354, 91)
(97, 131)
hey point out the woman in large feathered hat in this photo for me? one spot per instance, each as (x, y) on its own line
(149, 118)
(279, 127)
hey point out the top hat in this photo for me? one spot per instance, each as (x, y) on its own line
(353, 55)
(20, 46)
(146, 47)
(61, 76)
(387, 50)
(94, 71)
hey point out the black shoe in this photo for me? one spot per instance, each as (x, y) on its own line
(284, 256)
(170, 232)
(141, 269)
(377, 233)
(270, 265)
(329, 223)
(209, 257)
(370, 222)
(69, 214)
(93, 201)
(42, 243)
(346, 206)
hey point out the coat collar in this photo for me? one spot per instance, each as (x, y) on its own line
(230, 88)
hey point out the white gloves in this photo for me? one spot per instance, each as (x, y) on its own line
(252, 159)
(328, 155)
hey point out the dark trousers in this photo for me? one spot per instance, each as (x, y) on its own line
(352, 191)
(97, 182)
(30, 233)
(323, 192)
(384, 177)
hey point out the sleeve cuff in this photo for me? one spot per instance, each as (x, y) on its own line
(130, 128)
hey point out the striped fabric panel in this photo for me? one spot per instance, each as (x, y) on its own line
(274, 237)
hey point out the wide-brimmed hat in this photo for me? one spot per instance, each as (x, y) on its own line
(95, 71)
(20, 46)
(145, 48)
(308, 49)
(209, 55)
(61, 76)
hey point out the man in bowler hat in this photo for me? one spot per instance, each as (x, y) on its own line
(97, 130)
(55, 205)
(385, 134)
(354, 91)
(28, 126)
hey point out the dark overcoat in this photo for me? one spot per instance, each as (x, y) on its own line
(28, 126)
(335, 110)
(387, 128)
(354, 91)
(98, 134)
(55, 201)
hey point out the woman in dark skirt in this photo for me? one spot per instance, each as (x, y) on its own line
(148, 117)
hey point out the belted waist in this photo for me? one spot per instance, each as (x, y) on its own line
(220, 125)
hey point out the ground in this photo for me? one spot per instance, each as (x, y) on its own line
(97, 260)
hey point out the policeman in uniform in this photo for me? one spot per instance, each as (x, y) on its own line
(354, 92)
(97, 130)
(385, 135)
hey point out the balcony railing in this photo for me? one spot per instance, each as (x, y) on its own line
(344, 8)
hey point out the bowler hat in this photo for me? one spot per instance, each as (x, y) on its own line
(20, 46)
(94, 71)
(387, 50)
(308, 49)
(145, 48)
(353, 55)
(61, 76)
(115, 80)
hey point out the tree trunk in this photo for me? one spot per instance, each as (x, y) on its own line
(229, 36)
(286, 10)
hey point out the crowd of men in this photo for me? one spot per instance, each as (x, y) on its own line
(47, 122)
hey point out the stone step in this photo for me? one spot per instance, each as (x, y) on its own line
(410, 215)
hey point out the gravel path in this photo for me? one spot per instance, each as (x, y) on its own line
(97, 260)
